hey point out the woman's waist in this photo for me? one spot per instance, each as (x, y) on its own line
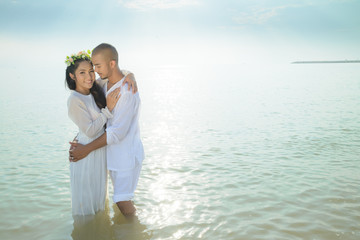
(84, 139)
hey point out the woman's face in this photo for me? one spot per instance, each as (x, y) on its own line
(84, 77)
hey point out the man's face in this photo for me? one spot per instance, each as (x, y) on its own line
(102, 65)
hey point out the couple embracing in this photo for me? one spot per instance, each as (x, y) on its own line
(107, 114)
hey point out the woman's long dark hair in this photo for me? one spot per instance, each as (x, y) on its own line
(95, 90)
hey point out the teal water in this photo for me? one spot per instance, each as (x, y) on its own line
(232, 152)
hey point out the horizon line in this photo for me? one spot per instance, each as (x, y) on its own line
(333, 61)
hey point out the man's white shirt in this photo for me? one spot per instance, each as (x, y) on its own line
(124, 146)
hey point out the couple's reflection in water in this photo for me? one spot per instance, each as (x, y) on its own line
(102, 227)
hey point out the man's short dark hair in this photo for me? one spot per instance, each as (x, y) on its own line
(109, 49)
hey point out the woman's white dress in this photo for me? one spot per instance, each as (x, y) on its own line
(88, 176)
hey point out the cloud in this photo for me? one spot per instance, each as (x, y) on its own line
(157, 4)
(259, 15)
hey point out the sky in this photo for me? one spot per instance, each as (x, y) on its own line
(160, 32)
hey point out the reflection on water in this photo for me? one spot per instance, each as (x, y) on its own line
(93, 227)
(102, 226)
(269, 152)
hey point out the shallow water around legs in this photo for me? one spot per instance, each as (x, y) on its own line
(232, 152)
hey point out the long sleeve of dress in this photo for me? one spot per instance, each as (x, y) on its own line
(80, 115)
(123, 116)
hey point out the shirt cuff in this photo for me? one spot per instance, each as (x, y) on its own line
(109, 138)
(106, 112)
(125, 72)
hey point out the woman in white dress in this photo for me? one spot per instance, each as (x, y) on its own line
(89, 110)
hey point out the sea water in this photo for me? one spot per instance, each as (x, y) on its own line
(247, 151)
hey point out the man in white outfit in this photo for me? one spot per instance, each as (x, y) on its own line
(125, 151)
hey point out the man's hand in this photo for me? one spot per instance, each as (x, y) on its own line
(78, 151)
(130, 80)
(70, 151)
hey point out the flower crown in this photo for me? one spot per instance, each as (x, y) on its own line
(81, 55)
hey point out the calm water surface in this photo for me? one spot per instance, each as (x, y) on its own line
(232, 152)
